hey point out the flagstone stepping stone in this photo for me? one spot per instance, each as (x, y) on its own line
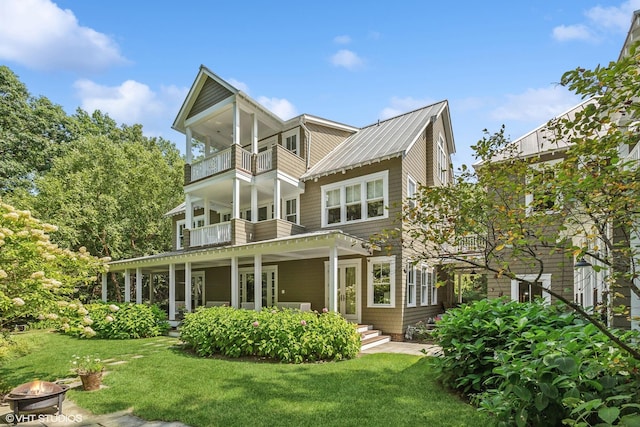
(137, 356)
(119, 362)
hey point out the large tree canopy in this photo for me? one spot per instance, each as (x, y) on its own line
(585, 206)
(33, 131)
(111, 189)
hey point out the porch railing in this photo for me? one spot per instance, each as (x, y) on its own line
(264, 161)
(218, 162)
(210, 234)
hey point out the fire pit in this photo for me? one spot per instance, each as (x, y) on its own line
(36, 396)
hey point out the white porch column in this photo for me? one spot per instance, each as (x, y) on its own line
(151, 279)
(235, 213)
(207, 146)
(276, 199)
(127, 285)
(188, 212)
(104, 287)
(333, 278)
(257, 281)
(236, 123)
(187, 287)
(189, 145)
(172, 292)
(254, 203)
(207, 214)
(254, 134)
(234, 283)
(139, 285)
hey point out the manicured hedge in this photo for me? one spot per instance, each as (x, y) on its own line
(282, 334)
(113, 321)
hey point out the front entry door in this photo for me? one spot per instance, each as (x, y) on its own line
(348, 289)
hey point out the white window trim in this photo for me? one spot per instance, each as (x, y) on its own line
(287, 134)
(284, 210)
(442, 165)
(411, 268)
(391, 260)
(545, 279)
(426, 288)
(362, 180)
(178, 224)
(411, 182)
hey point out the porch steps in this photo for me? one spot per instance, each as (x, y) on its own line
(370, 337)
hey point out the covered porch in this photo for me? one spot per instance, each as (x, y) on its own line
(227, 275)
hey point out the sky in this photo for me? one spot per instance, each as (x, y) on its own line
(353, 62)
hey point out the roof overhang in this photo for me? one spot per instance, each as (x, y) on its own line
(290, 248)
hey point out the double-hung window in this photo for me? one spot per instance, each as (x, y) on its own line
(427, 285)
(358, 199)
(291, 210)
(180, 226)
(411, 192)
(290, 140)
(411, 284)
(381, 282)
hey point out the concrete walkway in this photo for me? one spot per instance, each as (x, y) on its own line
(73, 415)
(405, 348)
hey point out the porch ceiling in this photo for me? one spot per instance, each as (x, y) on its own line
(298, 247)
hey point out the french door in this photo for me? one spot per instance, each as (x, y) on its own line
(349, 279)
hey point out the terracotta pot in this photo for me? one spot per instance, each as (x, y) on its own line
(91, 381)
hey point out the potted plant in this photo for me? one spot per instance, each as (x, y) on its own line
(90, 369)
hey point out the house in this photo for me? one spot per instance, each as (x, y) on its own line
(294, 203)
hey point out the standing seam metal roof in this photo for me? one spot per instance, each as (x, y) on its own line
(386, 139)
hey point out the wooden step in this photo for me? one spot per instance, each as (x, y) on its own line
(363, 328)
(369, 333)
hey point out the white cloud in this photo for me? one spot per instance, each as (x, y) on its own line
(279, 106)
(572, 32)
(600, 20)
(133, 102)
(239, 85)
(344, 39)
(536, 105)
(402, 105)
(40, 35)
(347, 59)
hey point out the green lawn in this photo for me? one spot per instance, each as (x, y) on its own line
(169, 384)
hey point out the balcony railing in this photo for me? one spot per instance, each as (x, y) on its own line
(246, 160)
(210, 235)
(218, 162)
(264, 161)
(470, 244)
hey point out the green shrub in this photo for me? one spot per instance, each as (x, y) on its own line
(537, 365)
(113, 321)
(9, 348)
(287, 335)
(572, 375)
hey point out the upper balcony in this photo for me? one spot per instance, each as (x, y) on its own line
(235, 157)
(633, 158)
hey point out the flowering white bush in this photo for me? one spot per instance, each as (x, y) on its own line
(35, 274)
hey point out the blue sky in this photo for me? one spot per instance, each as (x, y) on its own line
(354, 62)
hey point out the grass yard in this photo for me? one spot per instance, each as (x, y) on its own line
(168, 384)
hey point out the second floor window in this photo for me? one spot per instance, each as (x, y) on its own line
(290, 140)
(291, 210)
(359, 199)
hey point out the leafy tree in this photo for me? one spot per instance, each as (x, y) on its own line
(586, 206)
(110, 191)
(35, 273)
(33, 131)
